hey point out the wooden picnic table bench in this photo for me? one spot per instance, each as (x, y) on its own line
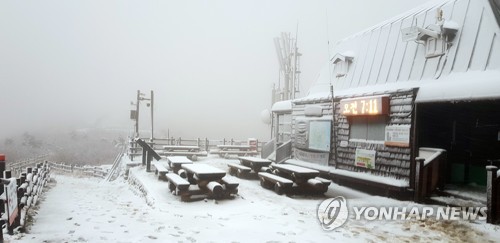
(304, 180)
(296, 173)
(211, 181)
(203, 172)
(175, 162)
(238, 170)
(160, 170)
(239, 150)
(279, 184)
(178, 186)
(170, 148)
(255, 163)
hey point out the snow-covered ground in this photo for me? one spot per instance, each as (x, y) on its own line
(141, 209)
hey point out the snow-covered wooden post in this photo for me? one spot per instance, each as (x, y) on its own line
(206, 144)
(419, 179)
(491, 194)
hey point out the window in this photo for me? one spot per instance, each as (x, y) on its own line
(368, 127)
(284, 127)
(342, 62)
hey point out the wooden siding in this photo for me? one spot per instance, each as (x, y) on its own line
(390, 161)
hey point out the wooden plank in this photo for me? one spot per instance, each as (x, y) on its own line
(239, 167)
(275, 178)
(295, 169)
(178, 181)
(204, 172)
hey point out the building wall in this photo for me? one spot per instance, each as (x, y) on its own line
(390, 161)
(298, 113)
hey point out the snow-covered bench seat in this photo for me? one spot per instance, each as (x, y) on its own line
(160, 170)
(238, 170)
(281, 185)
(177, 184)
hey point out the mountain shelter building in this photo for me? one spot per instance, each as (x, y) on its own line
(407, 108)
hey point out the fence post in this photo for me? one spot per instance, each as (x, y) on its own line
(491, 196)
(2, 168)
(206, 144)
(7, 174)
(224, 141)
(232, 141)
(419, 176)
(2, 202)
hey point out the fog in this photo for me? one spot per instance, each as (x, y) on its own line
(211, 64)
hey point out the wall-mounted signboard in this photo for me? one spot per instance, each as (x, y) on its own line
(365, 158)
(364, 106)
(319, 135)
(398, 136)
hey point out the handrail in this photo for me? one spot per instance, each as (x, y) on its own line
(429, 167)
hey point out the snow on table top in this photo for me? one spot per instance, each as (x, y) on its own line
(295, 169)
(179, 159)
(202, 169)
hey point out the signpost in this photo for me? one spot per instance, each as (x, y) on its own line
(11, 197)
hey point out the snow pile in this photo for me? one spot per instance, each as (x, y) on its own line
(141, 209)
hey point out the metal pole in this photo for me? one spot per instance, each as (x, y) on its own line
(152, 126)
(137, 114)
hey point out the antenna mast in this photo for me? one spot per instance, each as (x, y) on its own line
(289, 63)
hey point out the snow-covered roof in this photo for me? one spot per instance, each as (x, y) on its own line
(282, 106)
(315, 97)
(468, 69)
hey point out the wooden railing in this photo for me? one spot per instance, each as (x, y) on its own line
(204, 144)
(85, 170)
(18, 166)
(30, 184)
(429, 167)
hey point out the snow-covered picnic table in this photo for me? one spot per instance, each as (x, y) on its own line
(203, 172)
(192, 152)
(172, 148)
(240, 150)
(295, 172)
(175, 162)
(254, 163)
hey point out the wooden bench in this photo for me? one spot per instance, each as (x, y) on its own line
(177, 184)
(230, 185)
(230, 182)
(281, 185)
(327, 182)
(238, 170)
(160, 170)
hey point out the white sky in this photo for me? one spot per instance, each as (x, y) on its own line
(211, 63)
